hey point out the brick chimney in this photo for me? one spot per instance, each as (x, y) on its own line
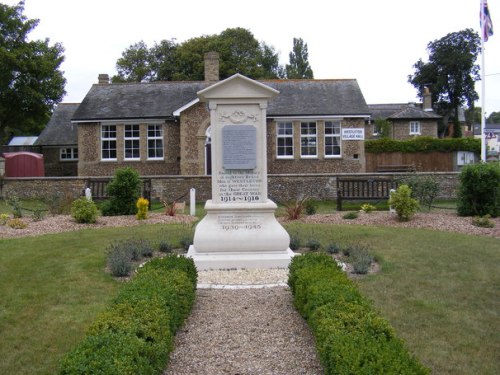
(103, 79)
(211, 66)
(427, 104)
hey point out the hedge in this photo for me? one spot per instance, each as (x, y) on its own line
(135, 334)
(423, 144)
(351, 337)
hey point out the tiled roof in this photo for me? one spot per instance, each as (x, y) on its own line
(397, 111)
(161, 99)
(413, 113)
(59, 131)
(136, 100)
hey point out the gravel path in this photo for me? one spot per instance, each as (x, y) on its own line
(243, 332)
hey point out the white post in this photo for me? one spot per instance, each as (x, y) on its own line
(483, 101)
(192, 202)
(391, 209)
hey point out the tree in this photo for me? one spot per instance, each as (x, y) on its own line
(238, 49)
(450, 72)
(299, 67)
(493, 118)
(31, 83)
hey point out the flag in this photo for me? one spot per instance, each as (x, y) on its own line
(485, 21)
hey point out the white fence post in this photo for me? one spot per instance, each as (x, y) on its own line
(391, 210)
(192, 202)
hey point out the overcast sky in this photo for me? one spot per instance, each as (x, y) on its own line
(375, 41)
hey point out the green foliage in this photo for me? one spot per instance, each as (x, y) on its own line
(423, 144)
(164, 246)
(15, 203)
(383, 128)
(135, 335)
(403, 203)
(124, 190)
(367, 208)
(479, 190)
(423, 188)
(84, 210)
(31, 83)
(299, 67)
(333, 248)
(38, 214)
(483, 221)
(313, 245)
(350, 215)
(360, 258)
(295, 242)
(311, 206)
(295, 209)
(4, 218)
(351, 338)
(239, 52)
(451, 72)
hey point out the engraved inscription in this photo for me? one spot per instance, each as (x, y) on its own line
(240, 186)
(239, 147)
(239, 222)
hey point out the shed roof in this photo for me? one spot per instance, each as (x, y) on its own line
(60, 131)
(22, 141)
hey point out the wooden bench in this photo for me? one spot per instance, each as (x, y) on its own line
(98, 186)
(396, 168)
(363, 189)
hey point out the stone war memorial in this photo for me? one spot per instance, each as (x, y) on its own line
(239, 229)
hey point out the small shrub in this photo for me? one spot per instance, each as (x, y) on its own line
(483, 222)
(123, 190)
(350, 215)
(313, 245)
(15, 203)
(295, 209)
(59, 203)
(84, 211)
(360, 259)
(38, 214)
(17, 223)
(367, 208)
(333, 248)
(119, 260)
(142, 208)
(310, 207)
(403, 203)
(479, 190)
(165, 247)
(295, 242)
(425, 189)
(4, 218)
(170, 208)
(186, 241)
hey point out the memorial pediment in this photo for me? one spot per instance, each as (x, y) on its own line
(237, 86)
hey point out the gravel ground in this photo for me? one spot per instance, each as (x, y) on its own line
(243, 332)
(438, 220)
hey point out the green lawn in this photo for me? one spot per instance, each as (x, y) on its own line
(439, 290)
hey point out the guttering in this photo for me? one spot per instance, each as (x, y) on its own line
(123, 121)
(316, 117)
(177, 112)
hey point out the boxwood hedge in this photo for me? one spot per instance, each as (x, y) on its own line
(135, 334)
(423, 144)
(351, 337)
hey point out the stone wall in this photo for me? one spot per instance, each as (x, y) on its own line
(54, 166)
(282, 188)
(89, 149)
(401, 129)
(352, 159)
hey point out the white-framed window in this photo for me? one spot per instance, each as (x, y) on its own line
(308, 139)
(284, 140)
(155, 142)
(108, 142)
(415, 128)
(132, 142)
(332, 139)
(68, 153)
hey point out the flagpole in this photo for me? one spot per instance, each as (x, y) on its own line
(483, 91)
(483, 109)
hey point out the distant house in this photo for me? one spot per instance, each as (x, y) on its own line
(59, 142)
(492, 139)
(407, 120)
(161, 128)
